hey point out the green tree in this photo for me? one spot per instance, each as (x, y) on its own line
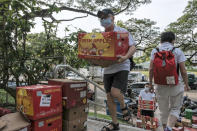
(16, 20)
(145, 34)
(185, 29)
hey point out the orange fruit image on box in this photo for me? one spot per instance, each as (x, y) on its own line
(102, 46)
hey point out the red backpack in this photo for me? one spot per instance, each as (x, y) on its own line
(165, 70)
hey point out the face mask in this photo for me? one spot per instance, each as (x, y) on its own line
(106, 22)
(146, 89)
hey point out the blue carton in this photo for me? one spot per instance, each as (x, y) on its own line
(119, 111)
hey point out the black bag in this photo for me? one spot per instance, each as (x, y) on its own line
(132, 63)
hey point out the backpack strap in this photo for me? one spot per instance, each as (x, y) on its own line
(177, 63)
(173, 49)
(177, 69)
(157, 49)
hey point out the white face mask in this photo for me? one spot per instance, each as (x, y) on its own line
(146, 89)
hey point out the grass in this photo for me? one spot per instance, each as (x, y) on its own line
(102, 116)
(11, 100)
(147, 73)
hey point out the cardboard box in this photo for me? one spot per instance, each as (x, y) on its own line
(186, 122)
(102, 46)
(145, 102)
(177, 129)
(15, 122)
(189, 129)
(139, 123)
(75, 113)
(194, 126)
(147, 107)
(53, 123)
(74, 93)
(194, 119)
(39, 101)
(79, 124)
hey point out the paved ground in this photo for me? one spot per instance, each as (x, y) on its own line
(97, 125)
(94, 125)
(101, 97)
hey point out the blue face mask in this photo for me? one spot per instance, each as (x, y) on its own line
(106, 22)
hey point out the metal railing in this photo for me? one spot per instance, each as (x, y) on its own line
(68, 67)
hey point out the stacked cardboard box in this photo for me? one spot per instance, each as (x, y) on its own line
(146, 105)
(75, 108)
(187, 124)
(42, 105)
(102, 48)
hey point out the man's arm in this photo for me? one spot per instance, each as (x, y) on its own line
(151, 74)
(129, 54)
(184, 75)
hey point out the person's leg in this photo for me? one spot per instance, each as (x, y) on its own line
(163, 103)
(143, 118)
(108, 80)
(175, 106)
(119, 87)
(112, 108)
(116, 94)
(151, 114)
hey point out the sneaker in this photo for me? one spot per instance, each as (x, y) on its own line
(168, 129)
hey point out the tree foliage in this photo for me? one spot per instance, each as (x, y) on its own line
(145, 34)
(185, 29)
(22, 54)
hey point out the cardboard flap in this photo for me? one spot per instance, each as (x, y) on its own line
(15, 121)
(2, 124)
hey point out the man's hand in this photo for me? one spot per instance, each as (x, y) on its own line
(187, 88)
(151, 88)
(121, 59)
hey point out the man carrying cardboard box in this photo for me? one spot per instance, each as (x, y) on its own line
(116, 75)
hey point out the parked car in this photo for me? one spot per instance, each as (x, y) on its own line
(136, 77)
(192, 81)
(73, 76)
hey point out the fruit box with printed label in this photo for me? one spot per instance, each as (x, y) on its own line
(74, 93)
(147, 107)
(53, 123)
(39, 101)
(145, 102)
(102, 46)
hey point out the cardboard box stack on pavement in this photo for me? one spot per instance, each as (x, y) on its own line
(75, 107)
(41, 104)
(102, 48)
(187, 123)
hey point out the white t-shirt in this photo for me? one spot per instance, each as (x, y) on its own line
(124, 65)
(179, 57)
(148, 96)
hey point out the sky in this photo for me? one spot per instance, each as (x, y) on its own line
(163, 12)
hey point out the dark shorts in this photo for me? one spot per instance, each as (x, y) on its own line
(147, 113)
(117, 80)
